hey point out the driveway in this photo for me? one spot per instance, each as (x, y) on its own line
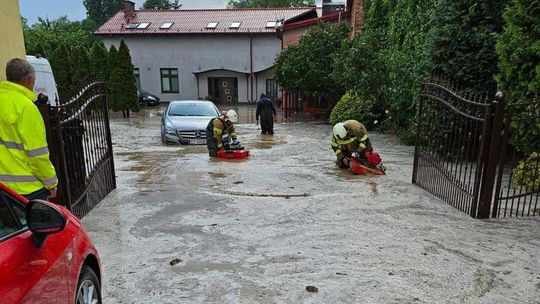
(183, 228)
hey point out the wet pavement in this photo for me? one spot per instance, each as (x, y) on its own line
(183, 228)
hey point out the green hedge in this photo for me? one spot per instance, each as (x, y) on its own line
(353, 106)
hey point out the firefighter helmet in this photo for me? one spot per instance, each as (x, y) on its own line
(232, 116)
(340, 131)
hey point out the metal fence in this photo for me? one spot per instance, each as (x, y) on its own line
(81, 148)
(461, 153)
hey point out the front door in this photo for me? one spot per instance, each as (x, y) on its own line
(223, 90)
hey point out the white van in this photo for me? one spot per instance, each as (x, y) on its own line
(44, 78)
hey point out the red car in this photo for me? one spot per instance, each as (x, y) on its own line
(45, 254)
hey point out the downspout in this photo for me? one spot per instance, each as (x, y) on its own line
(198, 90)
(251, 64)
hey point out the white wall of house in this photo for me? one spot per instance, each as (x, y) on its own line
(191, 53)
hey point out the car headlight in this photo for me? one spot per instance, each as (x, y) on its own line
(170, 131)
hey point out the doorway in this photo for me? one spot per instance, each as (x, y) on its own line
(223, 90)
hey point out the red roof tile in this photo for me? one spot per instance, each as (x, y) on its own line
(195, 21)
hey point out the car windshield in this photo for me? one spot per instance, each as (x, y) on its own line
(192, 109)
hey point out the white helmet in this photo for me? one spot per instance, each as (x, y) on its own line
(232, 116)
(340, 131)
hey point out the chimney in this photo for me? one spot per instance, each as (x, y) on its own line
(129, 7)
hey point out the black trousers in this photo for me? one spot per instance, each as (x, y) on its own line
(42, 194)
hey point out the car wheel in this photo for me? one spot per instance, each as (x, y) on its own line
(88, 289)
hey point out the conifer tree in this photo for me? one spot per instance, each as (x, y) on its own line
(100, 61)
(81, 67)
(123, 91)
(462, 42)
(60, 62)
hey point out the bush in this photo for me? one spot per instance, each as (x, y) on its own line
(353, 106)
(527, 174)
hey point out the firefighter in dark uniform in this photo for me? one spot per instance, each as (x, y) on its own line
(217, 127)
(350, 139)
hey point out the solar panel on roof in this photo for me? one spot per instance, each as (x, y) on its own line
(212, 25)
(166, 25)
(143, 25)
(132, 25)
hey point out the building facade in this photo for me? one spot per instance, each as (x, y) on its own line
(10, 23)
(226, 55)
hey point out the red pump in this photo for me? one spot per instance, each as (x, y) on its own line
(374, 164)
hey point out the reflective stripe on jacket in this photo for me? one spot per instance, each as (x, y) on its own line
(356, 141)
(218, 125)
(24, 156)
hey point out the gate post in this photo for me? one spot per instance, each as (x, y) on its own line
(417, 143)
(492, 159)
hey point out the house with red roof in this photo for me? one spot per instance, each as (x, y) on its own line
(226, 54)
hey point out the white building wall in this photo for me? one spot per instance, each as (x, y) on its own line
(191, 53)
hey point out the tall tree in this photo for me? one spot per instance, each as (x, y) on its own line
(519, 61)
(307, 67)
(269, 3)
(60, 63)
(101, 10)
(81, 66)
(100, 67)
(46, 35)
(123, 91)
(462, 42)
(161, 4)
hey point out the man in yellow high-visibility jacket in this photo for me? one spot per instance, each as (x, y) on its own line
(25, 166)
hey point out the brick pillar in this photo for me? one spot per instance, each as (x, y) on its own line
(357, 17)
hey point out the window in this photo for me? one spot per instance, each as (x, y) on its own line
(271, 24)
(8, 222)
(235, 24)
(271, 88)
(212, 25)
(169, 81)
(143, 25)
(132, 25)
(137, 73)
(166, 25)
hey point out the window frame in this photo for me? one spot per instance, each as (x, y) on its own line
(170, 78)
(212, 25)
(166, 25)
(137, 73)
(271, 83)
(21, 228)
(143, 25)
(235, 25)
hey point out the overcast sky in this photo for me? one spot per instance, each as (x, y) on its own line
(74, 9)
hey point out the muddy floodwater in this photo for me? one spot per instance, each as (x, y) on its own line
(184, 228)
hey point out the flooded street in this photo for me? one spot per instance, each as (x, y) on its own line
(184, 228)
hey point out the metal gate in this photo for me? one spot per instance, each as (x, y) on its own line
(81, 149)
(461, 153)
(517, 190)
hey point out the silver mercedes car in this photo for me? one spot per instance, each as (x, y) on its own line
(185, 121)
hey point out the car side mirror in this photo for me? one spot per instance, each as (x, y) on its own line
(160, 114)
(44, 218)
